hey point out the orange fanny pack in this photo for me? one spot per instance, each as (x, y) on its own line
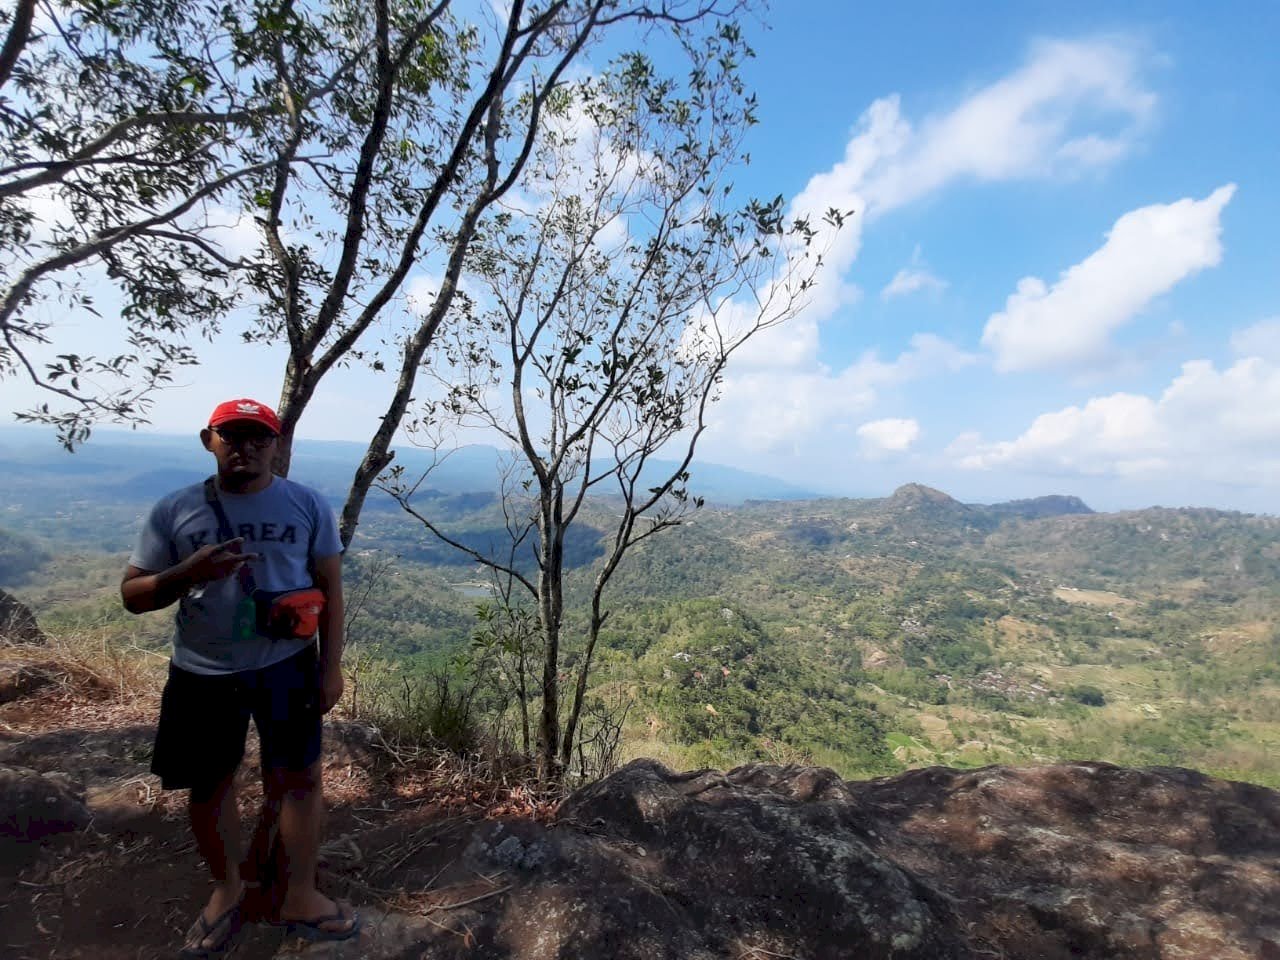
(290, 614)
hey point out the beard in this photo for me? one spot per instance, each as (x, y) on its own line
(241, 470)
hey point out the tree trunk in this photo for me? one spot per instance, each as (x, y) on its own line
(549, 724)
(16, 41)
(523, 677)
(295, 394)
(550, 609)
(580, 689)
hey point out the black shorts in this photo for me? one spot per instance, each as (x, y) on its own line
(204, 720)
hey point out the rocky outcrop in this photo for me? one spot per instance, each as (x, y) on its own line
(653, 865)
(21, 677)
(34, 805)
(17, 622)
(916, 494)
(1052, 862)
(1090, 859)
(762, 861)
(1071, 860)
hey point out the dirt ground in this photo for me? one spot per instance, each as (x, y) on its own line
(130, 884)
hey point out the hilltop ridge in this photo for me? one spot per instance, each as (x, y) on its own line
(913, 493)
(1051, 505)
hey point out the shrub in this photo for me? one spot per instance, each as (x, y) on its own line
(1087, 694)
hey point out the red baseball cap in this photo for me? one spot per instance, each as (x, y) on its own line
(233, 411)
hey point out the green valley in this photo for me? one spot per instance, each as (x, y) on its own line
(870, 635)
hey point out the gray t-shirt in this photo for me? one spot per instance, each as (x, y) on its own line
(286, 524)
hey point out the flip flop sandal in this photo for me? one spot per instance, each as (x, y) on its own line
(228, 923)
(314, 930)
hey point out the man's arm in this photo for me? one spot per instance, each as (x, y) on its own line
(146, 590)
(328, 577)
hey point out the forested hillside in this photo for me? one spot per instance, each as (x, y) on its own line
(870, 635)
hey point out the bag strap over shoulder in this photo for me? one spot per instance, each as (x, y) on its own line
(211, 498)
(226, 533)
(243, 574)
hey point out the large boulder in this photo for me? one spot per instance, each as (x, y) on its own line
(652, 864)
(1089, 859)
(17, 622)
(1049, 862)
(1056, 861)
(34, 805)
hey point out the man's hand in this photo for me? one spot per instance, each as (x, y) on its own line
(215, 561)
(145, 590)
(331, 684)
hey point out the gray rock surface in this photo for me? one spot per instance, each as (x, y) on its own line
(20, 678)
(1090, 859)
(17, 622)
(776, 859)
(1061, 861)
(34, 805)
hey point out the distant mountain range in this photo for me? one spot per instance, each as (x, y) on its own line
(915, 495)
(144, 466)
(140, 467)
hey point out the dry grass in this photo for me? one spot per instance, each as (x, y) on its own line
(1015, 635)
(938, 730)
(97, 686)
(102, 681)
(1240, 636)
(94, 664)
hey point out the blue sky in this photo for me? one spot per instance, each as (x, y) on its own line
(1065, 266)
(1062, 275)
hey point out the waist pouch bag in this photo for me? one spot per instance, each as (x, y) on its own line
(289, 614)
(280, 614)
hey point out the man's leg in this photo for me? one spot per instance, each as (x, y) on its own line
(215, 821)
(199, 744)
(289, 727)
(298, 797)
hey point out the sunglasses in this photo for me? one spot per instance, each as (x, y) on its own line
(259, 439)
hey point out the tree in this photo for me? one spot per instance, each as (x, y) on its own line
(615, 292)
(363, 139)
(443, 123)
(123, 128)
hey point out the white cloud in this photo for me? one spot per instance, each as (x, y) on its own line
(771, 408)
(1031, 123)
(911, 280)
(1120, 433)
(929, 354)
(1221, 425)
(235, 230)
(1070, 108)
(1260, 340)
(881, 437)
(1027, 124)
(51, 213)
(421, 290)
(1148, 251)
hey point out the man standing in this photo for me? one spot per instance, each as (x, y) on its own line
(244, 554)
